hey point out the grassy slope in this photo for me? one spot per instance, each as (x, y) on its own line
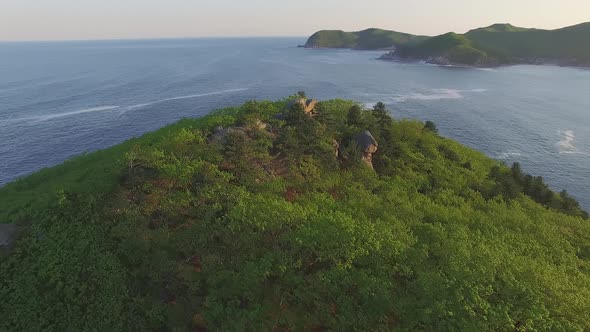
(97, 173)
(370, 39)
(193, 236)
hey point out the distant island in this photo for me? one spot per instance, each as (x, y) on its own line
(496, 45)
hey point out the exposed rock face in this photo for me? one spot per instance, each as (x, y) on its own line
(261, 125)
(368, 146)
(336, 147)
(307, 105)
(8, 233)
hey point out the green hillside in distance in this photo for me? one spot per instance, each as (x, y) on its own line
(503, 44)
(501, 27)
(566, 46)
(370, 39)
(447, 49)
(293, 216)
(498, 44)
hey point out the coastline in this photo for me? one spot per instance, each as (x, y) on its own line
(445, 62)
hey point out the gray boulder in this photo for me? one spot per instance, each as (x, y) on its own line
(368, 145)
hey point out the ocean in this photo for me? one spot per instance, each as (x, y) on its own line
(61, 99)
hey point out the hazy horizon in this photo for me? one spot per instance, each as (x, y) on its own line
(61, 20)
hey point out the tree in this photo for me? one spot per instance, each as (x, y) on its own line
(516, 172)
(382, 115)
(430, 126)
(379, 110)
(567, 202)
(355, 116)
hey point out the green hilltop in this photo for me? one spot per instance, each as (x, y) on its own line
(498, 44)
(567, 46)
(289, 215)
(450, 48)
(370, 39)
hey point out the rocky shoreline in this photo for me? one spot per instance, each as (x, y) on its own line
(488, 63)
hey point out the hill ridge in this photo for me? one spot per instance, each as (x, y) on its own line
(494, 45)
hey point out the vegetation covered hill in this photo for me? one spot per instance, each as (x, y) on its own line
(446, 49)
(498, 44)
(503, 44)
(370, 39)
(274, 222)
(567, 46)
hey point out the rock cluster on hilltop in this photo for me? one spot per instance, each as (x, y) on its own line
(365, 140)
(368, 146)
(306, 105)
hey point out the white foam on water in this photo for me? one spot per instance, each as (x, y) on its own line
(60, 115)
(139, 106)
(568, 142)
(486, 69)
(567, 145)
(437, 94)
(206, 94)
(508, 155)
(46, 117)
(133, 107)
(82, 111)
(431, 95)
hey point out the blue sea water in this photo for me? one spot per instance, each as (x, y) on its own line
(61, 99)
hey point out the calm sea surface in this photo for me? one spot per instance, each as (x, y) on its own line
(58, 100)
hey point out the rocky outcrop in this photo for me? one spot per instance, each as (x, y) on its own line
(368, 145)
(306, 105)
(336, 147)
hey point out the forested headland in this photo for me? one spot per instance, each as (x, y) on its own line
(293, 215)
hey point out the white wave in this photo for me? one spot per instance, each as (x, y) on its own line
(434, 94)
(206, 94)
(508, 155)
(86, 110)
(568, 142)
(139, 106)
(45, 117)
(185, 97)
(437, 94)
(485, 69)
(580, 153)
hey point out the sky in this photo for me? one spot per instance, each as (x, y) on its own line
(129, 19)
